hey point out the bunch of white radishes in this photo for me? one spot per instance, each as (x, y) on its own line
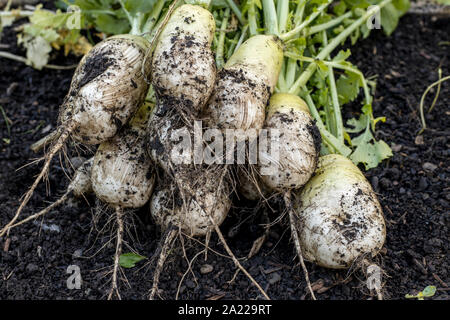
(336, 215)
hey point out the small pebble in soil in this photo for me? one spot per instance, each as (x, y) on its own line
(31, 267)
(206, 268)
(396, 147)
(274, 278)
(77, 253)
(428, 166)
(190, 284)
(423, 184)
(77, 161)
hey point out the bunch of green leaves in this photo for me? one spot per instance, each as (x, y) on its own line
(46, 30)
(110, 16)
(66, 27)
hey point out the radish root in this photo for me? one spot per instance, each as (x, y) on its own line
(166, 245)
(58, 145)
(119, 239)
(43, 211)
(287, 200)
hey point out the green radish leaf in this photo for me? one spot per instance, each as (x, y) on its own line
(348, 87)
(340, 8)
(429, 291)
(38, 50)
(354, 4)
(135, 6)
(129, 260)
(369, 151)
(389, 18)
(219, 4)
(403, 6)
(342, 55)
(364, 31)
(110, 25)
(358, 125)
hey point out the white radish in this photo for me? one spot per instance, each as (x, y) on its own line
(183, 69)
(183, 76)
(205, 196)
(338, 216)
(299, 144)
(122, 173)
(244, 86)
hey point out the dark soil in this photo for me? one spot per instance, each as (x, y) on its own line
(413, 188)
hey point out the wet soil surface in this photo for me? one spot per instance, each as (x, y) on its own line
(413, 188)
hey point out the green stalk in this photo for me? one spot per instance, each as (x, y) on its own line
(291, 70)
(338, 124)
(16, 14)
(331, 140)
(151, 20)
(270, 17)
(327, 25)
(338, 66)
(281, 83)
(221, 43)
(283, 12)
(241, 38)
(306, 75)
(253, 26)
(236, 11)
(359, 73)
(234, 43)
(299, 11)
(291, 34)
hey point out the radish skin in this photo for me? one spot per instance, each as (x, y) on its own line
(122, 173)
(299, 143)
(205, 197)
(244, 86)
(339, 216)
(106, 89)
(81, 183)
(252, 188)
(183, 69)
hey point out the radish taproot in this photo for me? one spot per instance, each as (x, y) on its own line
(80, 186)
(244, 86)
(338, 216)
